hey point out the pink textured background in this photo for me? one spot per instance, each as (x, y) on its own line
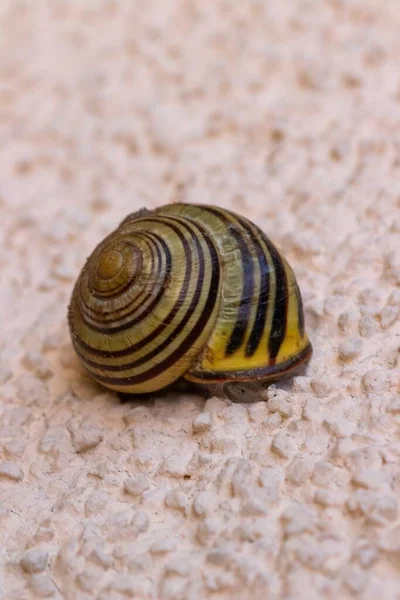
(290, 113)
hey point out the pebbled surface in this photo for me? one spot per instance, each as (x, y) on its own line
(288, 112)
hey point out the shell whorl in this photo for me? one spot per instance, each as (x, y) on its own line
(186, 291)
(144, 304)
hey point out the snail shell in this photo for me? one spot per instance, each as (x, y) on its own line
(187, 291)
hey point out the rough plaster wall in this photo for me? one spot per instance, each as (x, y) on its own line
(288, 111)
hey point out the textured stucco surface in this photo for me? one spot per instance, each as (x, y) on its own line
(288, 111)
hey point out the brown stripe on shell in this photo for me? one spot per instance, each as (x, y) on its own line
(242, 320)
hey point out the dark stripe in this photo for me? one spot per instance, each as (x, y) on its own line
(194, 333)
(281, 304)
(279, 317)
(261, 315)
(300, 310)
(242, 320)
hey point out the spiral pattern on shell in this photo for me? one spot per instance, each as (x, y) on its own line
(186, 291)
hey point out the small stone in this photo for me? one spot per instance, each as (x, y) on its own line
(253, 530)
(221, 557)
(223, 445)
(140, 522)
(136, 485)
(366, 553)
(88, 579)
(280, 405)
(392, 357)
(219, 582)
(68, 358)
(68, 556)
(168, 544)
(53, 341)
(15, 417)
(179, 565)
(86, 438)
(31, 390)
(393, 405)
(361, 459)
(330, 498)
(83, 387)
(301, 384)
(324, 473)
(256, 411)
(90, 540)
(254, 508)
(371, 480)
(123, 584)
(298, 519)
(5, 375)
(43, 534)
(370, 300)
(249, 572)
(339, 427)
(42, 586)
(101, 558)
(378, 509)
(34, 361)
(99, 204)
(140, 563)
(176, 499)
(139, 414)
(96, 502)
(368, 326)
(215, 405)
(350, 349)
(355, 579)
(394, 298)
(208, 530)
(272, 423)
(173, 588)
(284, 445)
(176, 465)
(34, 561)
(121, 520)
(389, 316)
(202, 422)
(389, 542)
(241, 479)
(386, 509)
(376, 381)
(55, 440)
(64, 270)
(391, 312)
(270, 480)
(312, 410)
(14, 448)
(323, 386)
(10, 470)
(300, 470)
(44, 371)
(204, 503)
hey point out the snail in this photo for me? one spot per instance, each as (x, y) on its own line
(190, 293)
